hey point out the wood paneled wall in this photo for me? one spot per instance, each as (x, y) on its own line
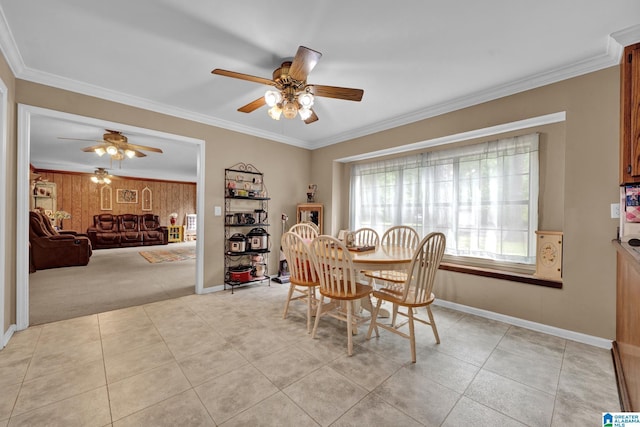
(79, 196)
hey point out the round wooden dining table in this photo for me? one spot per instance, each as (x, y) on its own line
(383, 257)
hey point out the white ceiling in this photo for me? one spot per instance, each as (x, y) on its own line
(414, 60)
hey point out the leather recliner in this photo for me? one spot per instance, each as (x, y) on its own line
(111, 231)
(152, 232)
(52, 251)
(104, 233)
(129, 228)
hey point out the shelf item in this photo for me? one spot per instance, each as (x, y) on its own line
(246, 230)
(310, 212)
(175, 233)
(45, 197)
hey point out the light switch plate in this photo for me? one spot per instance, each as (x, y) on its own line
(217, 210)
(615, 210)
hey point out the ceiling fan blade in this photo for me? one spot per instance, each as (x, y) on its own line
(303, 63)
(92, 148)
(82, 139)
(241, 76)
(139, 153)
(253, 105)
(142, 147)
(312, 118)
(345, 93)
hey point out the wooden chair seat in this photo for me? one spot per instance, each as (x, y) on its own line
(361, 291)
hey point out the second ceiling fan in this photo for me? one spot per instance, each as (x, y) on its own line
(292, 95)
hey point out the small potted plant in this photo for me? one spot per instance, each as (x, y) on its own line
(172, 218)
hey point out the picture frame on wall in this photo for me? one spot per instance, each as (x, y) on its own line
(126, 196)
(146, 199)
(105, 198)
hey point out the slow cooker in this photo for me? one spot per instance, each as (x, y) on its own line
(238, 243)
(258, 239)
(240, 273)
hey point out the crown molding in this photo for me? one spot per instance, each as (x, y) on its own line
(627, 36)
(615, 44)
(609, 59)
(9, 48)
(134, 101)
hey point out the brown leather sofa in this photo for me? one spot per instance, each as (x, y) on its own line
(115, 231)
(51, 249)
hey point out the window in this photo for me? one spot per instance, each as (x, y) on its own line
(483, 197)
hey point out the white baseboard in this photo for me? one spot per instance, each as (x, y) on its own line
(212, 289)
(7, 336)
(527, 324)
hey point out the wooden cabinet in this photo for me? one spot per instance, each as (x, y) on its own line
(174, 233)
(626, 348)
(310, 212)
(630, 115)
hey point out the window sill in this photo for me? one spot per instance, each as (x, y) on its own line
(504, 275)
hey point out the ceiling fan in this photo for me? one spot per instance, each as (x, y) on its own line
(293, 96)
(116, 145)
(101, 176)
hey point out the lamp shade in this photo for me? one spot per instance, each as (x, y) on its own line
(275, 112)
(289, 110)
(272, 97)
(305, 99)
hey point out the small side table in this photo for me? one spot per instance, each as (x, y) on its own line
(175, 233)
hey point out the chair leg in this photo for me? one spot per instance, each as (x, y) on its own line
(394, 315)
(349, 327)
(286, 304)
(433, 324)
(412, 335)
(374, 325)
(311, 297)
(318, 314)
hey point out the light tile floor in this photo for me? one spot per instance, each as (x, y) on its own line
(231, 360)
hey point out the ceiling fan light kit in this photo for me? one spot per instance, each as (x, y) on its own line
(292, 95)
(117, 146)
(101, 176)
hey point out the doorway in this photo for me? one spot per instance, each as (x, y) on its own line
(25, 116)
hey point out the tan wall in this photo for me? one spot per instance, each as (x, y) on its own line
(80, 197)
(576, 200)
(286, 168)
(579, 173)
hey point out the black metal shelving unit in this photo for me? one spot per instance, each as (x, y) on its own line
(246, 207)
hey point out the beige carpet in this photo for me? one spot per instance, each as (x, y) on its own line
(169, 255)
(114, 278)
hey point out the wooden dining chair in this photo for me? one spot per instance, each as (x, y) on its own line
(401, 235)
(312, 225)
(415, 292)
(305, 230)
(334, 265)
(366, 237)
(303, 278)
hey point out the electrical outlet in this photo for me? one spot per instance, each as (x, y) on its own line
(615, 210)
(217, 210)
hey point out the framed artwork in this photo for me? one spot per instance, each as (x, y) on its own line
(126, 196)
(146, 199)
(105, 198)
